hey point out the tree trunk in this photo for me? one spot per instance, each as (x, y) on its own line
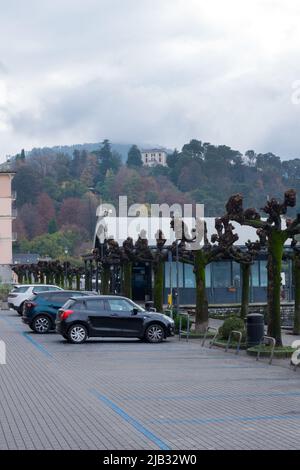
(77, 281)
(158, 285)
(87, 281)
(201, 320)
(57, 279)
(296, 268)
(246, 271)
(127, 280)
(275, 249)
(105, 277)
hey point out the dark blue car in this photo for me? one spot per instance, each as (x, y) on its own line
(39, 311)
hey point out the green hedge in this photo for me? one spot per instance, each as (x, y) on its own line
(232, 323)
(279, 352)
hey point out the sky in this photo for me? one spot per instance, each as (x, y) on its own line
(157, 72)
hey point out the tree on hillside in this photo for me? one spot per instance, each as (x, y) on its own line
(78, 162)
(107, 159)
(27, 183)
(194, 148)
(27, 216)
(45, 212)
(134, 157)
(90, 171)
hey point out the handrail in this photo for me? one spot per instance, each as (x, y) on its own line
(270, 339)
(240, 335)
(205, 335)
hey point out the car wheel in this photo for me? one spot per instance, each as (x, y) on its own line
(155, 333)
(20, 309)
(41, 324)
(77, 334)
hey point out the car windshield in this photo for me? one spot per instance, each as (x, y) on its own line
(134, 305)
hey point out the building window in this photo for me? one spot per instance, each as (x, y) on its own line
(263, 273)
(255, 274)
(189, 276)
(170, 274)
(222, 274)
(236, 274)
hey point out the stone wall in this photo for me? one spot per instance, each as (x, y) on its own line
(287, 311)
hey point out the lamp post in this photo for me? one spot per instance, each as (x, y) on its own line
(66, 264)
(177, 278)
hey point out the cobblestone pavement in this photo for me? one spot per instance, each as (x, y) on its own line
(130, 395)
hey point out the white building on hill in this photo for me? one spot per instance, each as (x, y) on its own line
(153, 157)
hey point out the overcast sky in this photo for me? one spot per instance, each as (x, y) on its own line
(150, 71)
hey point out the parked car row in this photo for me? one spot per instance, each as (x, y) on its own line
(78, 315)
(20, 293)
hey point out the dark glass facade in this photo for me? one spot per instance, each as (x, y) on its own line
(223, 282)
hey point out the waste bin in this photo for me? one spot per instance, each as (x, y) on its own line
(148, 305)
(255, 328)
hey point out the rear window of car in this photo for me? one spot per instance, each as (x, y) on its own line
(20, 290)
(79, 305)
(60, 298)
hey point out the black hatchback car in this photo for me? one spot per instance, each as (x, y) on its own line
(110, 316)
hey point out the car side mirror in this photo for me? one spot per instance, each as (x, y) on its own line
(152, 309)
(135, 311)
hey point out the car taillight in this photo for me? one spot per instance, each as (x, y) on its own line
(30, 304)
(65, 314)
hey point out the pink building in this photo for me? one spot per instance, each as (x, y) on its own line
(7, 214)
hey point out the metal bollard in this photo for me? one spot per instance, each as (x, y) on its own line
(262, 341)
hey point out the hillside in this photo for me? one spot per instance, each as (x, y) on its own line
(56, 208)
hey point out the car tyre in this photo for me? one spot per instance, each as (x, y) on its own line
(41, 324)
(155, 333)
(20, 310)
(77, 334)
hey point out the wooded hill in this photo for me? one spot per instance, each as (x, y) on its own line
(56, 208)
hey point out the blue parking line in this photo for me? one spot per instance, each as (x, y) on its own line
(138, 426)
(227, 419)
(26, 335)
(38, 346)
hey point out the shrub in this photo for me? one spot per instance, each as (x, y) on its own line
(183, 322)
(232, 323)
(4, 291)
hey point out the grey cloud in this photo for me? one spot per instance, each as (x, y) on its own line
(149, 71)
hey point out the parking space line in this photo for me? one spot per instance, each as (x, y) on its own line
(26, 334)
(38, 346)
(138, 426)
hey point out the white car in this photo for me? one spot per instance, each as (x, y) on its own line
(22, 292)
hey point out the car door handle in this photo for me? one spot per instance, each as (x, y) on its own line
(114, 315)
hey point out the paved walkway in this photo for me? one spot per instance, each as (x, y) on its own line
(131, 395)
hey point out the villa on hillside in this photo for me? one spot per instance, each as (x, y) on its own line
(153, 157)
